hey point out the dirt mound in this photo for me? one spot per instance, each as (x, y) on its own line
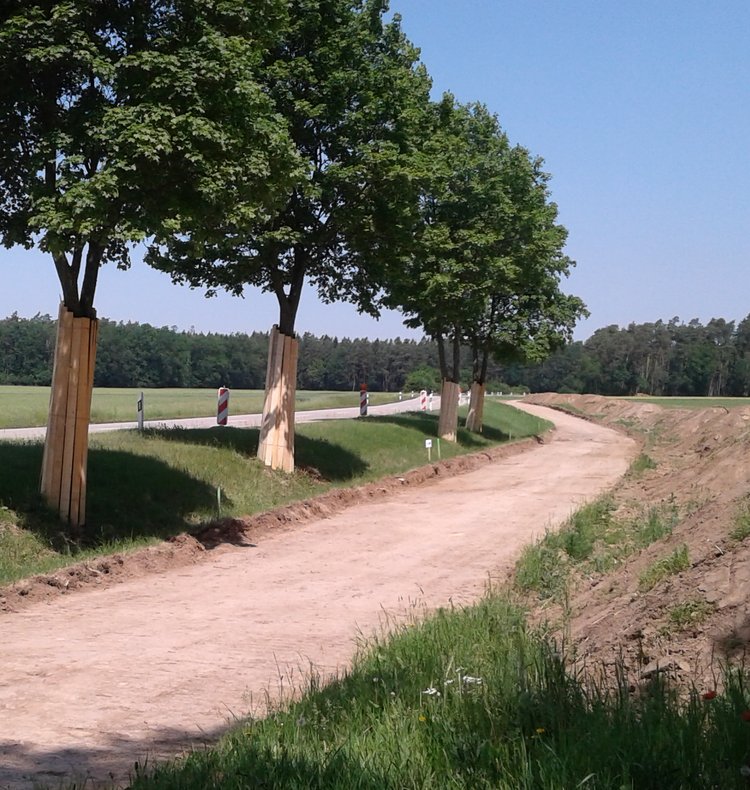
(701, 469)
(188, 549)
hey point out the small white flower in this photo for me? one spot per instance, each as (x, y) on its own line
(431, 692)
(376, 680)
(447, 682)
(470, 681)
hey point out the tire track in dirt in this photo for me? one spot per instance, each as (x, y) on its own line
(95, 681)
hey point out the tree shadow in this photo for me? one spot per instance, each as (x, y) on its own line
(735, 643)
(129, 496)
(121, 761)
(427, 424)
(323, 459)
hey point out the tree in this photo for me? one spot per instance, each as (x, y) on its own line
(350, 90)
(124, 123)
(487, 259)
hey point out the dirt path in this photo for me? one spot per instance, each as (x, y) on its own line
(92, 682)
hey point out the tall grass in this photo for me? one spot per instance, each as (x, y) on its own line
(474, 699)
(593, 540)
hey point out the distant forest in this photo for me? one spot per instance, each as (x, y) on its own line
(661, 358)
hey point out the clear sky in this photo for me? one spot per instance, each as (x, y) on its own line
(641, 111)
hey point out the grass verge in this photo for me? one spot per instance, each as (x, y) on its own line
(473, 699)
(593, 541)
(678, 560)
(146, 487)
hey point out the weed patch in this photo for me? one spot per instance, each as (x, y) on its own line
(741, 522)
(678, 560)
(689, 614)
(641, 464)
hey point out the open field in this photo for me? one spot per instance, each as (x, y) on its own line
(147, 487)
(690, 403)
(26, 407)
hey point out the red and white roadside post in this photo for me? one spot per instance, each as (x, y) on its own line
(222, 411)
(364, 399)
(423, 400)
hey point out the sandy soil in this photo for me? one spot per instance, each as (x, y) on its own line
(701, 472)
(94, 681)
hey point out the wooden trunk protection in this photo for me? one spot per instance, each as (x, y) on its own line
(63, 482)
(448, 422)
(276, 445)
(475, 417)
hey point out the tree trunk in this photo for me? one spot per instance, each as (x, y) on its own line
(64, 466)
(475, 417)
(276, 445)
(448, 422)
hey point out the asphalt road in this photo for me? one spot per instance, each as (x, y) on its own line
(235, 421)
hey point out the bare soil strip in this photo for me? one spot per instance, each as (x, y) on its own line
(95, 681)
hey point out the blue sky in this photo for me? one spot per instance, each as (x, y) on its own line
(641, 111)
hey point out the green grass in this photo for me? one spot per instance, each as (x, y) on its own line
(25, 407)
(689, 613)
(593, 540)
(146, 487)
(690, 403)
(678, 560)
(741, 521)
(472, 699)
(641, 464)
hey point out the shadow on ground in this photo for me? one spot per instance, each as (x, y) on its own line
(427, 423)
(123, 761)
(325, 460)
(129, 496)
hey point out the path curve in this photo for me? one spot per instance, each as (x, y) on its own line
(93, 682)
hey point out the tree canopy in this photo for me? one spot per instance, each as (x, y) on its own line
(132, 122)
(487, 259)
(351, 93)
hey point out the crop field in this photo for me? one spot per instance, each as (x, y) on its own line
(691, 403)
(26, 407)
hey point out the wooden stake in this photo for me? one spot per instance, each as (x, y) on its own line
(475, 417)
(448, 422)
(276, 445)
(63, 482)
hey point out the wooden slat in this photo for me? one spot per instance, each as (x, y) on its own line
(70, 418)
(274, 400)
(93, 340)
(288, 465)
(80, 423)
(54, 442)
(267, 418)
(278, 414)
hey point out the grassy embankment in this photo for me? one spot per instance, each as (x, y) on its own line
(26, 407)
(475, 698)
(146, 487)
